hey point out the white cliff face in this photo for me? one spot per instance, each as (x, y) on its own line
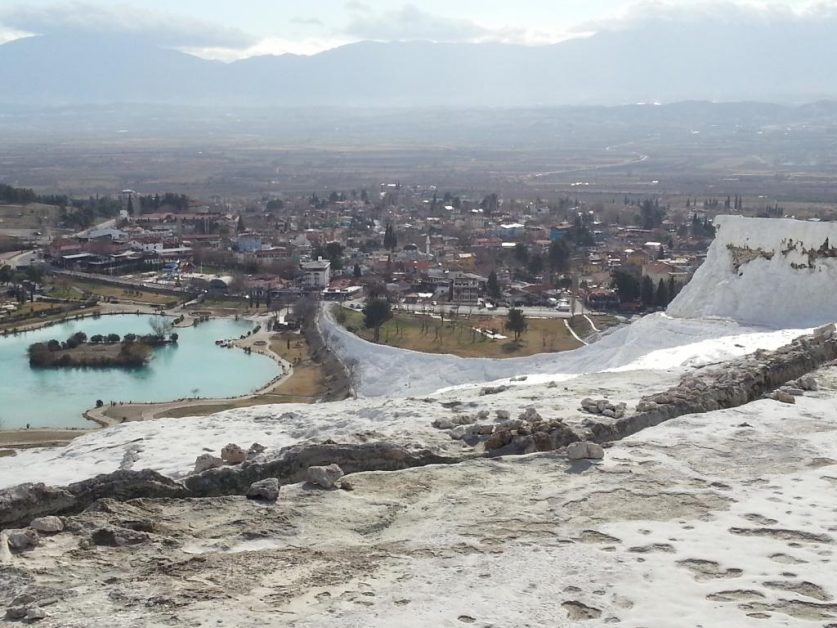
(758, 271)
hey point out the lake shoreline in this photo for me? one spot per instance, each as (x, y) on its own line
(147, 411)
(18, 436)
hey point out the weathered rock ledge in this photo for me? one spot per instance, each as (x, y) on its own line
(20, 504)
(734, 384)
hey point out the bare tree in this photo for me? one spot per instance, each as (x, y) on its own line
(160, 325)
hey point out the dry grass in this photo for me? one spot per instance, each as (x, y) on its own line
(31, 216)
(431, 335)
(74, 289)
(34, 319)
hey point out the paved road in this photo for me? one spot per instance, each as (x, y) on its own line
(534, 312)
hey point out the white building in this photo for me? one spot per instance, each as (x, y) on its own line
(316, 274)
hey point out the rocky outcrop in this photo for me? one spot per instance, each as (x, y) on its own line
(22, 540)
(291, 465)
(124, 485)
(207, 461)
(47, 525)
(325, 477)
(233, 454)
(603, 407)
(585, 450)
(264, 490)
(20, 504)
(764, 373)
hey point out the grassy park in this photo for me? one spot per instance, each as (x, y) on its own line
(458, 335)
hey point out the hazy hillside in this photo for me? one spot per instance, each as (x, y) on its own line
(639, 65)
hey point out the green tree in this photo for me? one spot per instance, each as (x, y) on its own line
(516, 322)
(376, 312)
(626, 284)
(492, 286)
(490, 204)
(390, 239)
(559, 256)
(333, 252)
(356, 271)
(647, 294)
(521, 253)
(662, 297)
(651, 214)
(535, 264)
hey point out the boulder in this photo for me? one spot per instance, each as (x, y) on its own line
(459, 432)
(265, 490)
(35, 613)
(595, 451)
(113, 536)
(16, 613)
(583, 450)
(47, 525)
(123, 485)
(530, 414)
(233, 454)
(207, 461)
(502, 415)
(498, 439)
(782, 396)
(542, 441)
(443, 423)
(807, 382)
(493, 390)
(256, 449)
(20, 504)
(325, 476)
(22, 540)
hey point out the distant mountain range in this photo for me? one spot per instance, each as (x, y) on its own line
(640, 65)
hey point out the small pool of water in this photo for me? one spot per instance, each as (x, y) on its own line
(193, 368)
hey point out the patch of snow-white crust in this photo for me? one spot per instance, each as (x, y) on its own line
(787, 284)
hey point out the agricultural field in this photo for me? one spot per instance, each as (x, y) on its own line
(32, 216)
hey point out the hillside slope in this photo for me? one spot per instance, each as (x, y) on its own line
(642, 64)
(775, 273)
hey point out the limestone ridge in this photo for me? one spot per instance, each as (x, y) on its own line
(734, 384)
(776, 273)
(20, 504)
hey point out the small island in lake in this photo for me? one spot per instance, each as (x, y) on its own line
(130, 351)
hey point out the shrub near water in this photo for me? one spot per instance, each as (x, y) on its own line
(99, 351)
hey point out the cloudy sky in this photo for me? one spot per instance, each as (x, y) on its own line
(230, 29)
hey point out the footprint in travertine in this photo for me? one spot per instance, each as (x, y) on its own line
(577, 611)
(708, 569)
(594, 536)
(799, 609)
(798, 536)
(735, 595)
(786, 559)
(654, 547)
(803, 587)
(466, 619)
(760, 519)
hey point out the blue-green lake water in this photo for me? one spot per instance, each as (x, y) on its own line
(195, 367)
